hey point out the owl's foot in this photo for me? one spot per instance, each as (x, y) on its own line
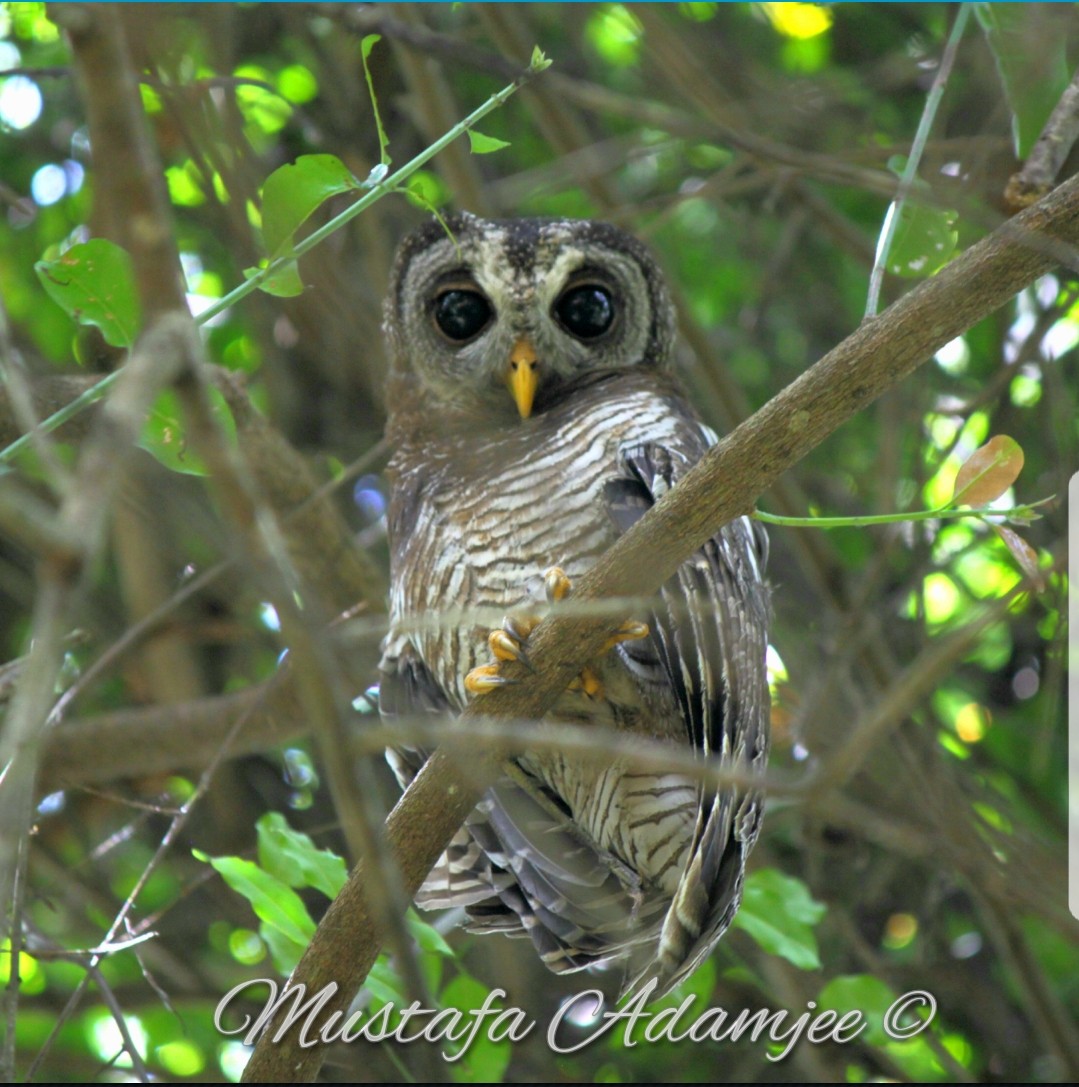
(507, 643)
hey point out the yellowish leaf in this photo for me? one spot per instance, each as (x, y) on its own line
(1024, 555)
(988, 472)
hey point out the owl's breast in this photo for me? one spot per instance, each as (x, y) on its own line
(506, 511)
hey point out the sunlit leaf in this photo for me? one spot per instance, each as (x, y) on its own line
(923, 242)
(988, 472)
(486, 1061)
(1033, 66)
(941, 597)
(274, 902)
(484, 145)
(292, 192)
(427, 937)
(383, 983)
(799, 21)
(295, 859)
(779, 913)
(284, 951)
(95, 283)
(863, 993)
(1024, 555)
(283, 282)
(427, 190)
(615, 33)
(297, 83)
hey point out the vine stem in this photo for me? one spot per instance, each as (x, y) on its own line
(944, 513)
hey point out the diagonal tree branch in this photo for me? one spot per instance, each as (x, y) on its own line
(878, 355)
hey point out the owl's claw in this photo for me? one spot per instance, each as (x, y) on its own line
(486, 678)
(630, 631)
(507, 643)
(556, 584)
(589, 682)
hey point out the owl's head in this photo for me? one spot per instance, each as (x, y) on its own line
(503, 319)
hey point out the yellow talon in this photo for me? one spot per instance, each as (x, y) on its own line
(506, 643)
(484, 679)
(504, 646)
(520, 626)
(629, 631)
(588, 682)
(557, 584)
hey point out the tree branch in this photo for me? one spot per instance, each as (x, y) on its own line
(1049, 152)
(725, 484)
(162, 739)
(320, 542)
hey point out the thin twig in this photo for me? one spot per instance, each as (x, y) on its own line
(910, 171)
(1050, 150)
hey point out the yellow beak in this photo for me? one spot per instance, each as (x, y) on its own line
(522, 376)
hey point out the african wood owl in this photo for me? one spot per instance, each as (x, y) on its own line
(534, 417)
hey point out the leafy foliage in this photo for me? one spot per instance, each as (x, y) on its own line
(779, 913)
(754, 147)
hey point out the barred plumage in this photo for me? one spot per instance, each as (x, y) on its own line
(534, 420)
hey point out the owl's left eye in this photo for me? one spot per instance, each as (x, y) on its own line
(461, 314)
(585, 311)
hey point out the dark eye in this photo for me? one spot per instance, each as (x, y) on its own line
(461, 314)
(586, 311)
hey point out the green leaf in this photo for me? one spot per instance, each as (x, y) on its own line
(95, 283)
(283, 282)
(863, 993)
(484, 145)
(896, 164)
(163, 434)
(292, 192)
(1033, 66)
(923, 242)
(284, 951)
(427, 190)
(294, 859)
(485, 1061)
(540, 61)
(426, 937)
(274, 902)
(383, 983)
(779, 912)
(366, 46)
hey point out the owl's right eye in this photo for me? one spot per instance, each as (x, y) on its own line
(462, 314)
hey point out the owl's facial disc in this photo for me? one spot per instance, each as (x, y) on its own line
(508, 319)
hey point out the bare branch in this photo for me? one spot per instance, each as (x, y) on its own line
(1050, 150)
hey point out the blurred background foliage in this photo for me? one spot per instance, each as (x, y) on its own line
(754, 147)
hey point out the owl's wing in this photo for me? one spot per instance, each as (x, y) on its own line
(708, 643)
(519, 864)
(464, 875)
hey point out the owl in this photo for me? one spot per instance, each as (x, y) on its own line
(534, 418)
